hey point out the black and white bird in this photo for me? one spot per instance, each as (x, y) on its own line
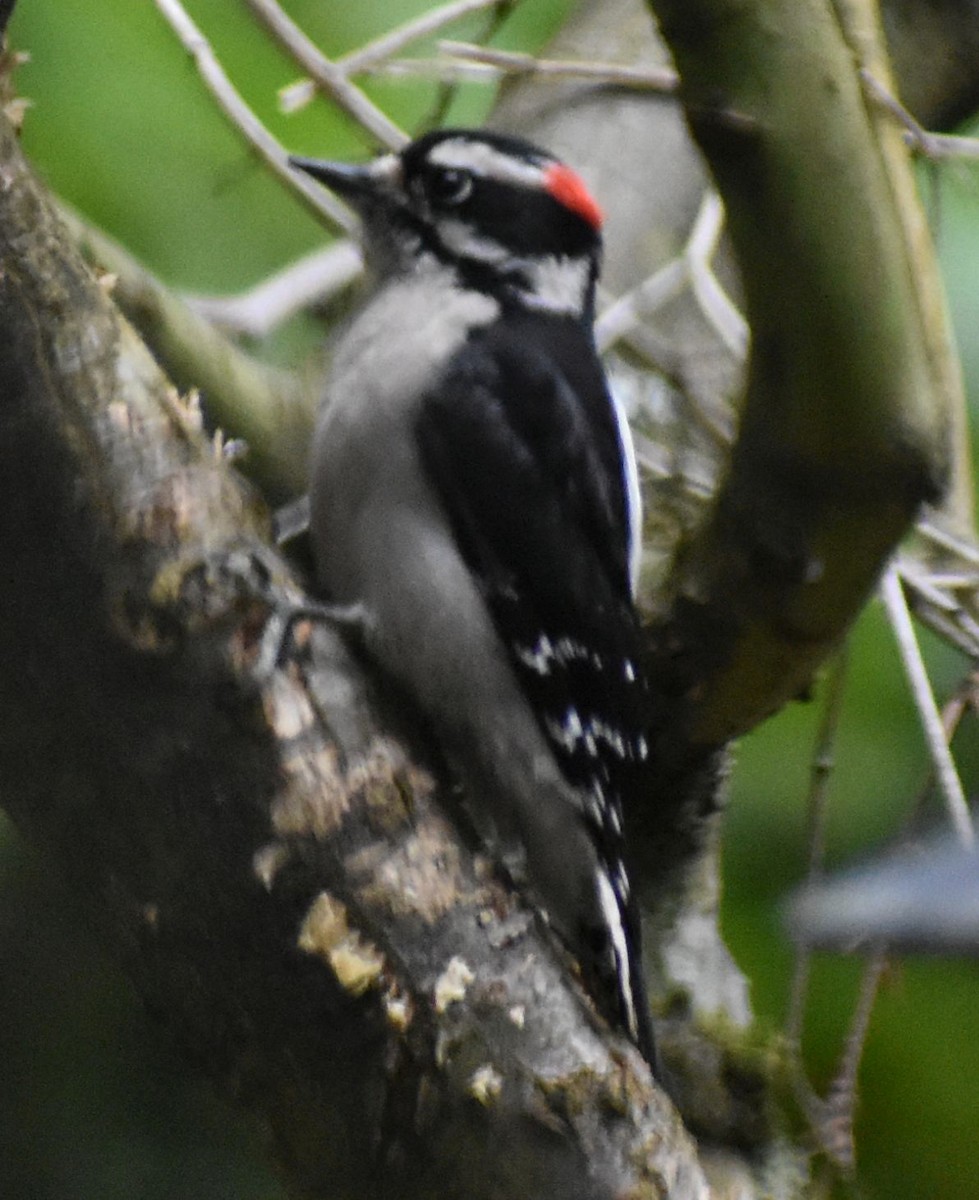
(474, 495)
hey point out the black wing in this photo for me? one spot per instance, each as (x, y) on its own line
(521, 444)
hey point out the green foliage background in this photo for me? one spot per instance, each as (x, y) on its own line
(94, 1103)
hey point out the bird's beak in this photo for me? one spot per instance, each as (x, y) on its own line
(357, 183)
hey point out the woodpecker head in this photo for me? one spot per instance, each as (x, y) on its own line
(506, 217)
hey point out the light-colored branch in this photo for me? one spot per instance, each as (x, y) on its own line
(694, 267)
(939, 146)
(622, 320)
(508, 62)
(626, 312)
(935, 146)
(715, 303)
(941, 611)
(441, 70)
(308, 283)
(833, 1118)
(320, 202)
(941, 577)
(331, 79)
(385, 47)
(924, 698)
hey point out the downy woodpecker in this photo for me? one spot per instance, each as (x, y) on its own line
(474, 495)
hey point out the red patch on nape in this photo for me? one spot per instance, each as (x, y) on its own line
(568, 188)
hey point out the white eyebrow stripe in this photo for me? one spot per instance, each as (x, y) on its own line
(482, 159)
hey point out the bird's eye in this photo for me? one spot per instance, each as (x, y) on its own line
(449, 186)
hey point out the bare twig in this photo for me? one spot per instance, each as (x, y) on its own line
(327, 76)
(935, 146)
(231, 103)
(961, 547)
(618, 320)
(393, 42)
(919, 137)
(312, 280)
(933, 594)
(816, 802)
(954, 709)
(694, 265)
(622, 319)
(924, 698)
(942, 612)
(834, 1117)
(716, 304)
(443, 70)
(950, 145)
(507, 62)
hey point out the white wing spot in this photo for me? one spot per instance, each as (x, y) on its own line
(545, 653)
(612, 913)
(539, 657)
(568, 731)
(571, 731)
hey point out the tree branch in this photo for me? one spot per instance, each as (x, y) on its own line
(846, 428)
(332, 80)
(321, 203)
(271, 410)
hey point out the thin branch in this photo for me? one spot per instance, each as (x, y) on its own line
(369, 56)
(932, 594)
(935, 146)
(816, 803)
(229, 100)
(693, 265)
(716, 304)
(951, 145)
(309, 282)
(509, 62)
(622, 320)
(834, 1124)
(622, 316)
(440, 69)
(327, 76)
(944, 614)
(962, 547)
(924, 698)
(953, 711)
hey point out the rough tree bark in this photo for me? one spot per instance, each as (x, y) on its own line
(272, 856)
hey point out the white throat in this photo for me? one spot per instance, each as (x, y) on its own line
(557, 284)
(554, 283)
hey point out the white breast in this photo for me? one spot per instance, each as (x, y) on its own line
(366, 472)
